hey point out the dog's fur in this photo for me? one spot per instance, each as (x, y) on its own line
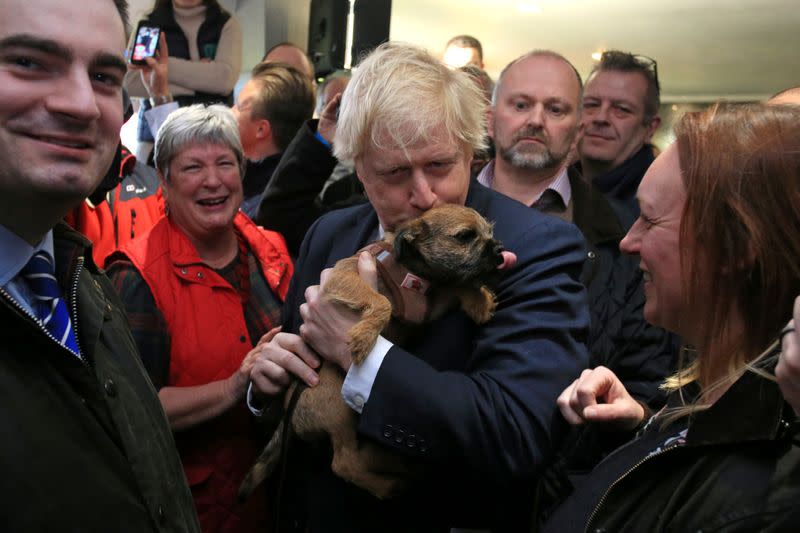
(452, 248)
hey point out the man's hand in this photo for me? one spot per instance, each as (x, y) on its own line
(327, 120)
(787, 371)
(155, 75)
(598, 396)
(280, 358)
(326, 326)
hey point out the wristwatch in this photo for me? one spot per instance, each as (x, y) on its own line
(160, 99)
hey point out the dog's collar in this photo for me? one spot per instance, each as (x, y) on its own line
(408, 291)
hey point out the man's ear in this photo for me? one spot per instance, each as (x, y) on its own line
(655, 122)
(264, 130)
(358, 166)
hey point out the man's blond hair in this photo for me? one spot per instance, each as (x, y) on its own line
(400, 95)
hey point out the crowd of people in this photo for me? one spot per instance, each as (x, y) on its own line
(641, 371)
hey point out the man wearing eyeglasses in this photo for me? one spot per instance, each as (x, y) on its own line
(620, 116)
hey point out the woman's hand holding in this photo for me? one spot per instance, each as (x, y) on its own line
(155, 74)
(280, 358)
(598, 396)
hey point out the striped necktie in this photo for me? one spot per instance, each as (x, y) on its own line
(49, 305)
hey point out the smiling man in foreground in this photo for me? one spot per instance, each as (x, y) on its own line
(87, 446)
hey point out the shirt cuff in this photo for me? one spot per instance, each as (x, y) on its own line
(250, 402)
(157, 115)
(360, 378)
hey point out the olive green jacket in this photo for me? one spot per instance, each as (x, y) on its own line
(86, 446)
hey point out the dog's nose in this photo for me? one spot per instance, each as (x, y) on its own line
(498, 252)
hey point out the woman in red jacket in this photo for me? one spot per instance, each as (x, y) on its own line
(201, 288)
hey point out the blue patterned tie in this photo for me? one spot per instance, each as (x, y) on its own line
(49, 306)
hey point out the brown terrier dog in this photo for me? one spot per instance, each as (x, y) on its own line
(443, 259)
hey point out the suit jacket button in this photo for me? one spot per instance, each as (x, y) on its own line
(388, 431)
(400, 436)
(423, 446)
(411, 441)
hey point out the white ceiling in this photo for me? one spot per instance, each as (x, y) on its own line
(706, 49)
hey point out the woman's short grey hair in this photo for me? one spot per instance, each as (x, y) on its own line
(197, 123)
(401, 95)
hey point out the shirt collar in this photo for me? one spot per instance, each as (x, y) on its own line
(17, 252)
(560, 183)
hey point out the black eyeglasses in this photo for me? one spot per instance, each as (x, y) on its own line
(645, 62)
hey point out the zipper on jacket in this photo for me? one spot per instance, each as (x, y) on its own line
(25, 312)
(74, 309)
(623, 476)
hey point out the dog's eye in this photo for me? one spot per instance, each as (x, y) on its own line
(466, 235)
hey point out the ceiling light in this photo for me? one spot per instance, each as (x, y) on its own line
(530, 8)
(597, 55)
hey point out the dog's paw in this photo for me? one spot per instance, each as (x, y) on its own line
(362, 339)
(478, 305)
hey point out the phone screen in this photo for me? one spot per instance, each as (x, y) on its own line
(145, 44)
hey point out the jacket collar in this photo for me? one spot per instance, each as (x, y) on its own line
(752, 409)
(257, 175)
(626, 177)
(592, 213)
(275, 264)
(69, 245)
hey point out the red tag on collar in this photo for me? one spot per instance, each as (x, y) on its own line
(415, 283)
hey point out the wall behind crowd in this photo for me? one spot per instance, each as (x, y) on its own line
(265, 24)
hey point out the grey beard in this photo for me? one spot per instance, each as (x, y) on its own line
(529, 160)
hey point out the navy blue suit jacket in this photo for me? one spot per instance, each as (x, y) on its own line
(478, 400)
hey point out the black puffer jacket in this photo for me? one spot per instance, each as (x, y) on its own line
(640, 354)
(620, 338)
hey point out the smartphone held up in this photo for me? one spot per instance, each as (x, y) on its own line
(145, 44)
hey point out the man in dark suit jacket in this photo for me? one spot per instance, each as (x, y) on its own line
(476, 404)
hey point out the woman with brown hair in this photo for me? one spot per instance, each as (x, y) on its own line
(719, 243)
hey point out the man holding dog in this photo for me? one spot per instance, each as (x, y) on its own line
(474, 404)
(86, 444)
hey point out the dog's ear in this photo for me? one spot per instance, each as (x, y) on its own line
(412, 230)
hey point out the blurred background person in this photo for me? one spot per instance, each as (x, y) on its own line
(126, 203)
(200, 289)
(486, 85)
(718, 243)
(269, 110)
(204, 44)
(621, 98)
(463, 50)
(293, 55)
